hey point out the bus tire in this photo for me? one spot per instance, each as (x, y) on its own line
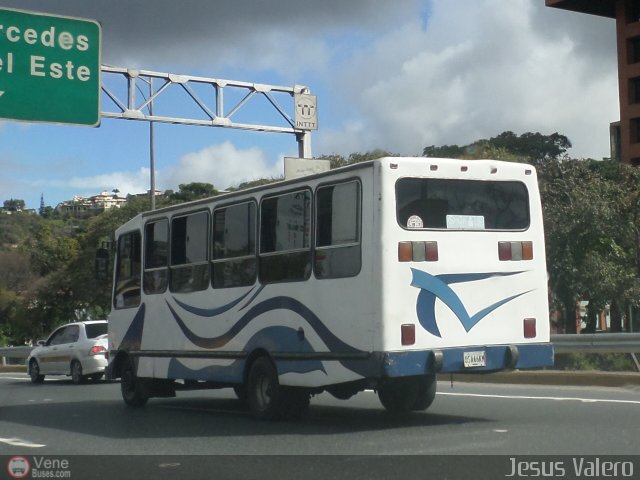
(265, 396)
(132, 387)
(398, 395)
(241, 392)
(296, 402)
(426, 392)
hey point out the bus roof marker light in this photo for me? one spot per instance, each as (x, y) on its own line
(393, 166)
(528, 172)
(494, 170)
(464, 168)
(433, 168)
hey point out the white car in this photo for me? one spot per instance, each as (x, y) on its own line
(79, 350)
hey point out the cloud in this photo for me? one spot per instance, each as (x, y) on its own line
(479, 68)
(222, 165)
(238, 33)
(126, 182)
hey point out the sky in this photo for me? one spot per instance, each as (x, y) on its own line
(397, 76)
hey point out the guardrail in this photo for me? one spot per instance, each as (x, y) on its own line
(596, 343)
(563, 343)
(19, 353)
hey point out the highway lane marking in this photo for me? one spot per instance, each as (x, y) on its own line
(18, 442)
(525, 397)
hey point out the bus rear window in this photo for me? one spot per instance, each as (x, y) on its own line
(433, 203)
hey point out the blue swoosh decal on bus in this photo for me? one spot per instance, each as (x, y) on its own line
(276, 303)
(272, 339)
(211, 312)
(432, 287)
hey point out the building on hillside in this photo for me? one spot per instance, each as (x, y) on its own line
(625, 135)
(86, 205)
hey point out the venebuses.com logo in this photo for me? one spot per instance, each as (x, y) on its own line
(18, 467)
(38, 467)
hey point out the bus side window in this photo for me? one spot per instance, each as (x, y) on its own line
(285, 237)
(128, 265)
(189, 253)
(234, 261)
(338, 252)
(156, 257)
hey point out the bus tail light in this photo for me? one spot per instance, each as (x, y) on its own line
(408, 334)
(515, 251)
(417, 251)
(529, 325)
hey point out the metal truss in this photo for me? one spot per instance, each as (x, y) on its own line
(206, 99)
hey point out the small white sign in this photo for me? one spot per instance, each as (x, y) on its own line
(465, 222)
(301, 167)
(306, 111)
(414, 221)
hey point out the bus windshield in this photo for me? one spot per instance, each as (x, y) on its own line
(434, 203)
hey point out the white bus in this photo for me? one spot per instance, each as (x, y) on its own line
(377, 276)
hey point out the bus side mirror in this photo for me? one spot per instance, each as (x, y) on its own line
(102, 264)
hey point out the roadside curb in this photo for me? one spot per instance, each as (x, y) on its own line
(550, 377)
(13, 368)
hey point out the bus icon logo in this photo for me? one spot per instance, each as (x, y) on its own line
(18, 467)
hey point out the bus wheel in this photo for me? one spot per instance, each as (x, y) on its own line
(241, 392)
(426, 392)
(265, 396)
(296, 402)
(401, 395)
(133, 392)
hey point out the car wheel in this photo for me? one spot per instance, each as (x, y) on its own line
(76, 373)
(34, 372)
(132, 388)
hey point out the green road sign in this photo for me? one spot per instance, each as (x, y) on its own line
(49, 68)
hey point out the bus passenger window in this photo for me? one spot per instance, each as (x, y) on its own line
(234, 261)
(285, 231)
(189, 253)
(128, 264)
(156, 257)
(338, 231)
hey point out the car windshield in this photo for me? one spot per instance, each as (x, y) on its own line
(96, 329)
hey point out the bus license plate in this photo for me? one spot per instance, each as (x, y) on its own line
(475, 359)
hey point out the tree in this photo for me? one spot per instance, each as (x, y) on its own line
(528, 147)
(592, 230)
(193, 191)
(340, 161)
(14, 205)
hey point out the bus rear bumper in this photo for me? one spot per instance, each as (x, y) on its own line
(485, 358)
